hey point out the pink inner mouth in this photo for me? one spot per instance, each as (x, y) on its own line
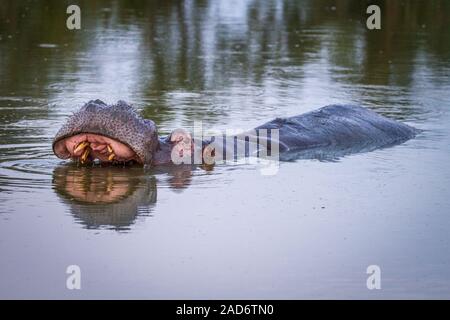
(99, 147)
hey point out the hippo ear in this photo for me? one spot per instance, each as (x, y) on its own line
(93, 106)
(150, 124)
(98, 101)
(125, 106)
(122, 103)
(151, 140)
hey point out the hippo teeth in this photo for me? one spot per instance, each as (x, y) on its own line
(111, 153)
(85, 147)
(81, 146)
(85, 154)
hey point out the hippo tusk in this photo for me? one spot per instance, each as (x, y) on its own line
(85, 155)
(81, 146)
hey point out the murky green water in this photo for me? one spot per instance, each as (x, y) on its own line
(309, 231)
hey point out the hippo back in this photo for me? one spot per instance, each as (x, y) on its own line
(338, 129)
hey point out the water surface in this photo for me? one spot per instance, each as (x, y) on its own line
(310, 231)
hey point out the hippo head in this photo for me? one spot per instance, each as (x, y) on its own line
(108, 133)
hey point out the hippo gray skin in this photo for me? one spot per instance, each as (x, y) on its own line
(117, 134)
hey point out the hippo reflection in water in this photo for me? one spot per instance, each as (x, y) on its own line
(117, 134)
(105, 197)
(114, 197)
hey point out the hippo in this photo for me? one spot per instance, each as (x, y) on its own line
(118, 134)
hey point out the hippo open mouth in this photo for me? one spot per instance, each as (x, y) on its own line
(110, 133)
